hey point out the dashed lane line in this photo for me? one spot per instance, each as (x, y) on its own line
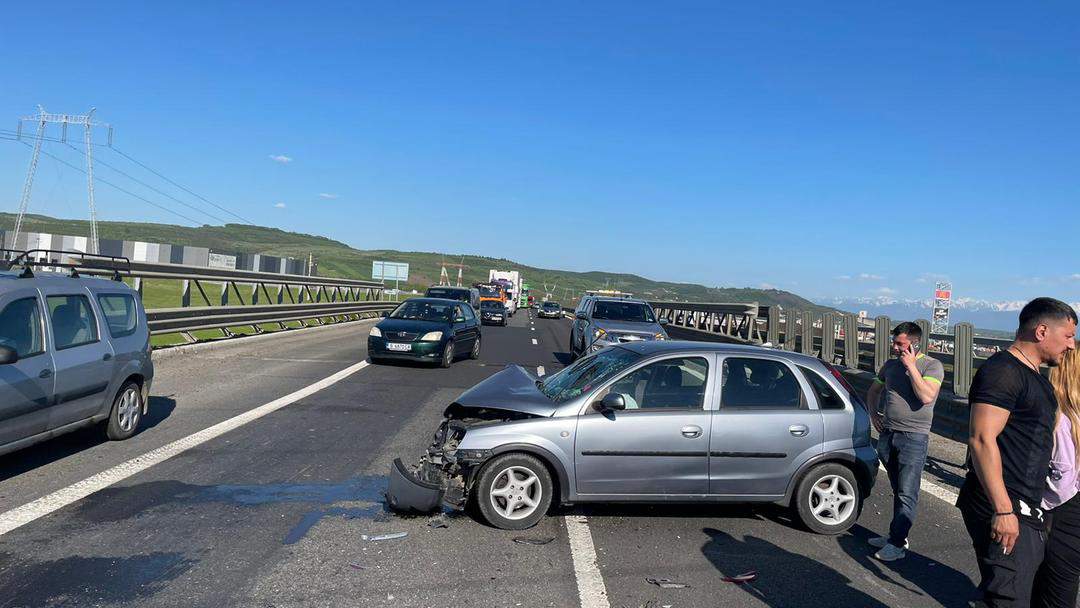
(20, 516)
(534, 341)
(540, 371)
(591, 590)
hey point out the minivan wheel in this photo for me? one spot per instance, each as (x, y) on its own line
(126, 412)
(828, 500)
(448, 354)
(513, 491)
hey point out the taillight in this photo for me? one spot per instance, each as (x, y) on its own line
(847, 385)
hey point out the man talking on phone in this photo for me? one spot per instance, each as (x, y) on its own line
(902, 401)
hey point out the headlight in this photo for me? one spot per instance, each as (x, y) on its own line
(375, 332)
(660, 336)
(431, 336)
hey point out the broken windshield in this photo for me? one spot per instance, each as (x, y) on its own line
(586, 374)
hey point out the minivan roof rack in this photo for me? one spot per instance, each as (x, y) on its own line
(26, 259)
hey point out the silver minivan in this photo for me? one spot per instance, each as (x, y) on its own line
(74, 351)
(651, 421)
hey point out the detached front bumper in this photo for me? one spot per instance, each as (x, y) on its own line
(407, 492)
(442, 477)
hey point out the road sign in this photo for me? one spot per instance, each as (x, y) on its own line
(389, 271)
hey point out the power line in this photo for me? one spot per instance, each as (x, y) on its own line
(108, 183)
(146, 185)
(196, 195)
(16, 136)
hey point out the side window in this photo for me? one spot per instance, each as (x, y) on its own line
(668, 384)
(469, 316)
(73, 321)
(458, 313)
(120, 314)
(827, 398)
(760, 384)
(20, 327)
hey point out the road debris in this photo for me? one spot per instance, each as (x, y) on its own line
(357, 567)
(521, 540)
(666, 583)
(439, 521)
(745, 577)
(378, 537)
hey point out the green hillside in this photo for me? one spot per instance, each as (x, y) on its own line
(340, 260)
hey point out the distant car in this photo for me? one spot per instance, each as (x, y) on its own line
(493, 312)
(436, 330)
(463, 294)
(602, 321)
(74, 351)
(660, 422)
(549, 310)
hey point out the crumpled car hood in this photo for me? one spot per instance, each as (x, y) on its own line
(513, 390)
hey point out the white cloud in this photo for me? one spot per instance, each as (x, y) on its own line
(1074, 277)
(280, 158)
(328, 196)
(279, 206)
(885, 291)
(844, 277)
(870, 277)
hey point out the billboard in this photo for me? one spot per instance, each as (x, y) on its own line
(389, 271)
(220, 260)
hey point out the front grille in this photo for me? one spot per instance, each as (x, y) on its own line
(401, 335)
(632, 337)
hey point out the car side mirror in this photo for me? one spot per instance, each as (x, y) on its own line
(663, 321)
(581, 316)
(384, 314)
(612, 402)
(8, 355)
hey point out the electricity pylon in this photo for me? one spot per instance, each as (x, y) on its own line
(43, 118)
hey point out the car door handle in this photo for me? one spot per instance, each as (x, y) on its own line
(691, 432)
(799, 430)
(45, 373)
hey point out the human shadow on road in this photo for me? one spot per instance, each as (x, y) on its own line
(915, 573)
(937, 468)
(58, 448)
(783, 578)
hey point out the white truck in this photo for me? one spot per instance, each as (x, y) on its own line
(512, 277)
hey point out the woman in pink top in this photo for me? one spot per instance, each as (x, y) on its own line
(1058, 579)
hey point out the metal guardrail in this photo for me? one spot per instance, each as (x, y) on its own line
(317, 299)
(739, 321)
(187, 320)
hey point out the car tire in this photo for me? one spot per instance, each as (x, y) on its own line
(497, 475)
(832, 491)
(475, 353)
(448, 354)
(126, 412)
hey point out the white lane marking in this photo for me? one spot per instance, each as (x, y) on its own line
(932, 487)
(590, 583)
(540, 371)
(534, 340)
(20, 516)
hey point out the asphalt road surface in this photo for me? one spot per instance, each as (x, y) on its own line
(270, 509)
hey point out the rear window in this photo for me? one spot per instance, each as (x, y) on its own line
(828, 399)
(452, 294)
(120, 314)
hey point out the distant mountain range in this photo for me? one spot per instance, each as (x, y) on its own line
(1001, 316)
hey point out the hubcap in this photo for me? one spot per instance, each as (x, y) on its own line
(127, 411)
(515, 493)
(476, 348)
(832, 500)
(448, 354)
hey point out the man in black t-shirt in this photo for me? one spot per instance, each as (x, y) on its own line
(1011, 440)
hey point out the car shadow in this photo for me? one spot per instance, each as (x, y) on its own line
(765, 511)
(49, 451)
(783, 578)
(915, 573)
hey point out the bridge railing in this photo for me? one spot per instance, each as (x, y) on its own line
(263, 297)
(840, 338)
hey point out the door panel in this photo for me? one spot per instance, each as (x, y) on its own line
(84, 361)
(659, 444)
(26, 386)
(764, 429)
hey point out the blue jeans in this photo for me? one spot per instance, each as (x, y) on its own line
(904, 456)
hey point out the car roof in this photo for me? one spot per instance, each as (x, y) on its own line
(658, 347)
(434, 300)
(11, 280)
(617, 299)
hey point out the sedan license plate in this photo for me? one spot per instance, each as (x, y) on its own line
(398, 346)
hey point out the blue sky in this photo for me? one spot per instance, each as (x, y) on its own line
(836, 149)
